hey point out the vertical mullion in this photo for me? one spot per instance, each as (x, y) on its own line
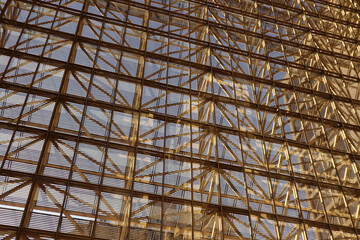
(125, 234)
(107, 139)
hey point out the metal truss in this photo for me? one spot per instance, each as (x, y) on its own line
(180, 119)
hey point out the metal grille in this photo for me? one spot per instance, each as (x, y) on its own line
(179, 119)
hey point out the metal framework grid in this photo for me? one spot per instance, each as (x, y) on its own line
(179, 119)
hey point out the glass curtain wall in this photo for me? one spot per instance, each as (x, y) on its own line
(180, 119)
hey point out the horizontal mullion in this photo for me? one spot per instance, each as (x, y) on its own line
(185, 62)
(139, 149)
(242, 31)
(117, 107)
(248, 14)
(155, 197)
(193, 64)
(311, 14)
(150, 83)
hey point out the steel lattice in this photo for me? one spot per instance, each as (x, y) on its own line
(180, 119)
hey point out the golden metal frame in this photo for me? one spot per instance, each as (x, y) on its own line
(179, 119)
